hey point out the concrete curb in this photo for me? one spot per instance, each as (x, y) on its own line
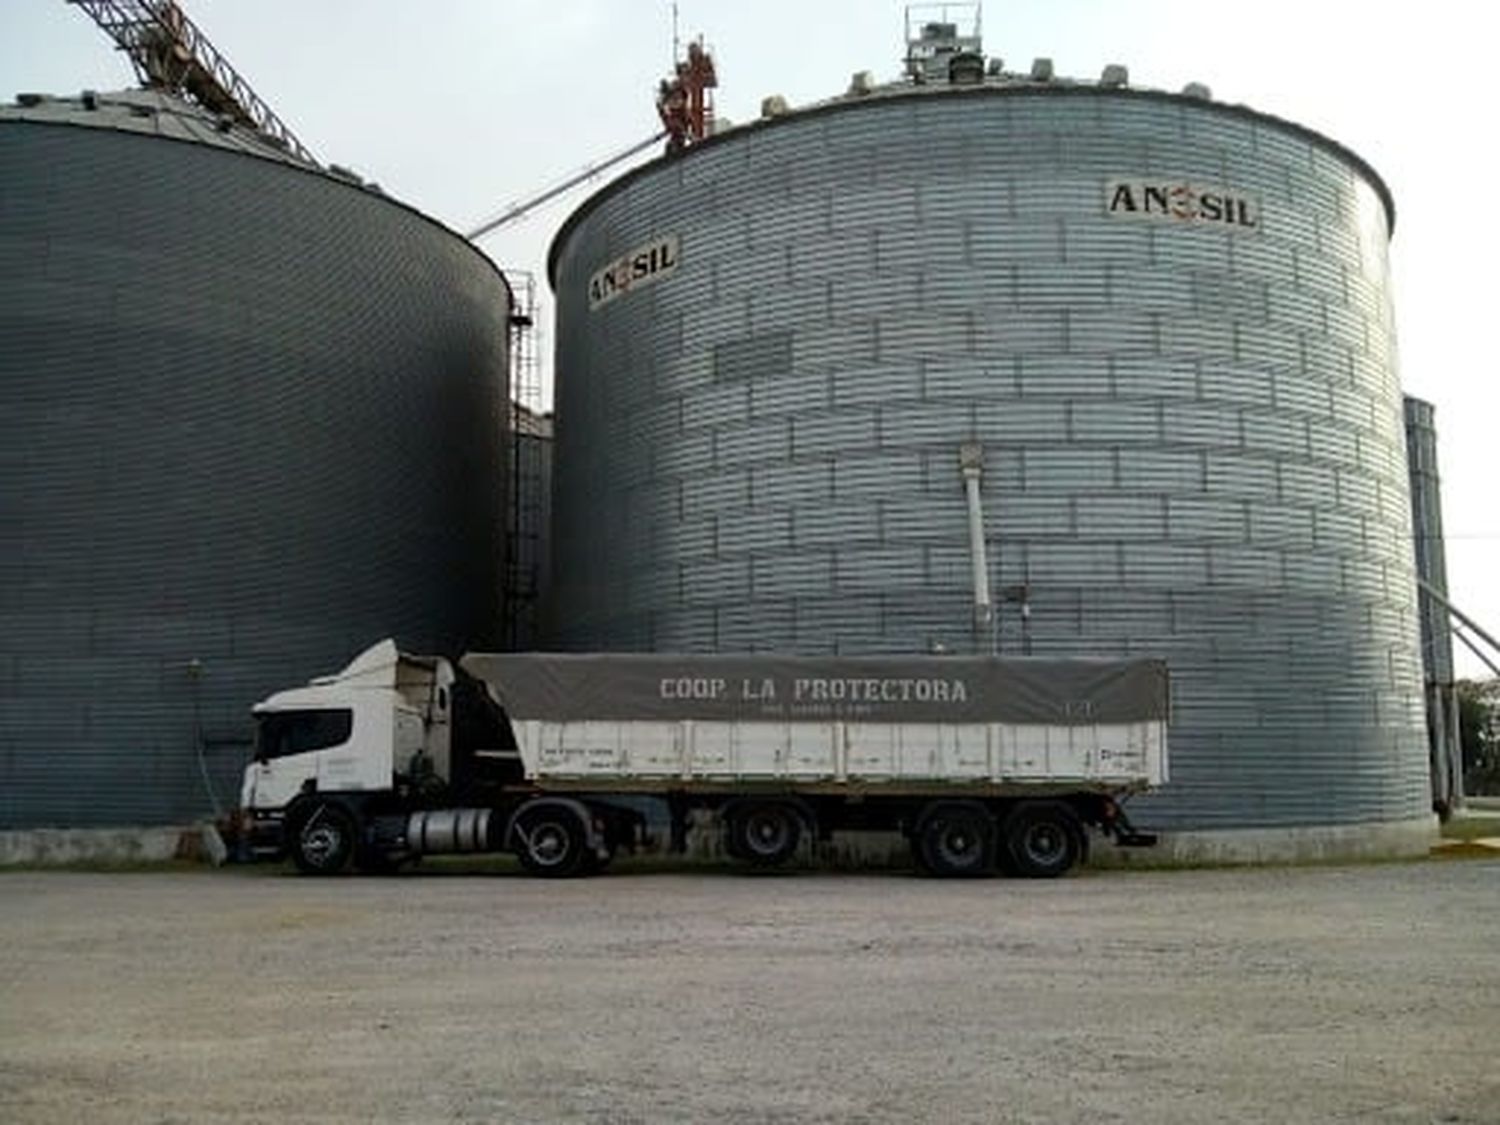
(1319, 843)
(62, 847)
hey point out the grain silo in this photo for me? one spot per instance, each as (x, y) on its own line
(1159, 328)
(252, 416)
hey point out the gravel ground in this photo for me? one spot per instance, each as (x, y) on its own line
(1356, 994)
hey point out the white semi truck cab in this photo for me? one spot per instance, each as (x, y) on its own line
(982, 763)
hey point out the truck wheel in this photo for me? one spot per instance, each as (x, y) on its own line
(765, 833)
(323, 841)
(955, 841)
(551, 841)
(1043, 839)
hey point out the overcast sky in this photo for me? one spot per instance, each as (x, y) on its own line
(460, 107)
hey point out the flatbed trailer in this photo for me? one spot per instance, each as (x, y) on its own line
(982, 763)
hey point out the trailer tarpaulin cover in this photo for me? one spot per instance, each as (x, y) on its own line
(939, 689)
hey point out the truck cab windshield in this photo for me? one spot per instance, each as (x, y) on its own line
(280, 733)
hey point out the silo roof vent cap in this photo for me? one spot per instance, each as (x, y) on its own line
(1115, 75)
(861, 83)
(966, 68)
(1198, 90)
(1041, 70)
(774, 106)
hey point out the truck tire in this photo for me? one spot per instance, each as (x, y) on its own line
(955, 840)
(324, 838)
(551, 841)
(1043, 839)
(765, 833)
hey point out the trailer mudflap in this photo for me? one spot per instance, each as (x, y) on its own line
(1125, 833)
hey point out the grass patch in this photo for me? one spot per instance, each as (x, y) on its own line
(1469, 827)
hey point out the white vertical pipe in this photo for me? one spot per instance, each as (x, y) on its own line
(971, 467)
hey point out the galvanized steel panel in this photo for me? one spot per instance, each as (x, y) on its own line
(251, 418)
(1427, 518)
(1192, 435)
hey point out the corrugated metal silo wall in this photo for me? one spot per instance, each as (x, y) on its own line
(1193, 434)
(1427, 528)
(250, 417)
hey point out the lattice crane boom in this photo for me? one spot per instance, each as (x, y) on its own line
(170, 52)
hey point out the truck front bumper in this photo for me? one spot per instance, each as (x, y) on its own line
(262, 835)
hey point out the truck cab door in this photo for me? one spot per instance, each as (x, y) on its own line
(288, 748)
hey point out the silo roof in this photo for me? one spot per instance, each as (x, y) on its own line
(1005, 84)
(152, 112)
(156, 113)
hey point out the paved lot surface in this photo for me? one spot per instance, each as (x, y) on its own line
(1355, 994)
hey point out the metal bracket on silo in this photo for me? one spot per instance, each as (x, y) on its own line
(971, 468)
